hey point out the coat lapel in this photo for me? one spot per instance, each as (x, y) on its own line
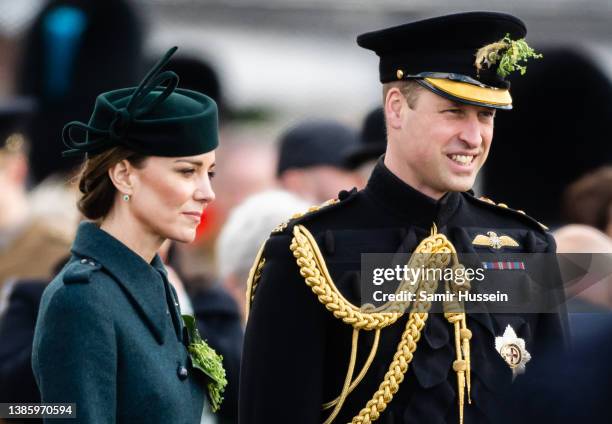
(142, 282)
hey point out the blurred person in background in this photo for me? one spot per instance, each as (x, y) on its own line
(312, 160)
(372, 144)
(29, 245)
(586, 239)
(589, 200)
(74, 50)
(248, 226)
(587, 296)
(30, 249)
(245, 167)
(578, 135)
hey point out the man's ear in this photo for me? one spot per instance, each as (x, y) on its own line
(395, 102)
(121, 175)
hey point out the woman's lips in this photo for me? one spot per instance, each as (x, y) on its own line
(196, 216)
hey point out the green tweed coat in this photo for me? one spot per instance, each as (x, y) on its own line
(109, 337)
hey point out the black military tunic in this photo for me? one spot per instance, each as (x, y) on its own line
(296, 353)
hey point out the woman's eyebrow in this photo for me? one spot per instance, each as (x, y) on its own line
(193, 162)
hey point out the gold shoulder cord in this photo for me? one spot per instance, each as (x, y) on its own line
(435, 251)
(253, 278)
(259, 262)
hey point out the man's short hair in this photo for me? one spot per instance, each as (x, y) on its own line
(409, 88)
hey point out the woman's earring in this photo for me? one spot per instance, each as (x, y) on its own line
(126, 197)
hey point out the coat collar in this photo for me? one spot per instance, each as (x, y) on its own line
(143, 282)
(408, 202)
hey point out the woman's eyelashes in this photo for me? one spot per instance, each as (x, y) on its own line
(187, 171)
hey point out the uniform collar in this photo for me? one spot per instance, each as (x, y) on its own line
(144, 282)
(408, 202)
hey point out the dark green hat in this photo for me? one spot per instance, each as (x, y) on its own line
(154, 119)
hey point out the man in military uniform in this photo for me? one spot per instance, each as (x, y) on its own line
(311, 354)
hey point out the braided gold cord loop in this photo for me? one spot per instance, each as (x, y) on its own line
(312, 267)
(435, 251)
(259, 262)
(397, 369)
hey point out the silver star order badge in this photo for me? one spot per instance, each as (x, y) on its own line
(512, 349)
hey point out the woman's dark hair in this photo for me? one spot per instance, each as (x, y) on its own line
(98, 191)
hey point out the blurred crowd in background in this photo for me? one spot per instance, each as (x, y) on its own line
(299, 122)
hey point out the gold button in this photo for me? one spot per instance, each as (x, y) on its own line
(400, 74)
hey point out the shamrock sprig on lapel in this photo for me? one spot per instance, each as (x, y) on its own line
(205, 359)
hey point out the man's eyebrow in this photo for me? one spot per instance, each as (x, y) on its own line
(191, 161)
(457, 104)
(452, 103)
(489, 109)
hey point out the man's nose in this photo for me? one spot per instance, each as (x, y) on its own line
(471, 132)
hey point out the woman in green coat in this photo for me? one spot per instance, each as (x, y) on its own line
(110, 337)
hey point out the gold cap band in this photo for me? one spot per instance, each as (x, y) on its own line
(472, 93)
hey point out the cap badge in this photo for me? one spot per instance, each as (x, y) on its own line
(506, 54)
(512, 349)
(494, 241)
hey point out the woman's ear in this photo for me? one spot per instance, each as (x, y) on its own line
(121, 174)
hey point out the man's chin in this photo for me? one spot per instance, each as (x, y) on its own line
(460, 184)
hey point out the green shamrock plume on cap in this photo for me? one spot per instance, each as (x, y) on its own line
(507, 55)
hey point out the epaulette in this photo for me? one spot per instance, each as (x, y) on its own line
(487, 201)
(343, 196)
(80, 271)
